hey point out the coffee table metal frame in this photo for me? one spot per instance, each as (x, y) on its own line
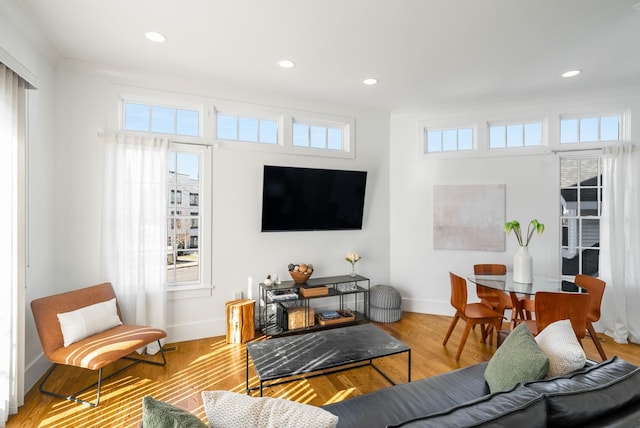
(274, 359)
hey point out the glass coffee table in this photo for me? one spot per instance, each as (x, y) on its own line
(285, 359)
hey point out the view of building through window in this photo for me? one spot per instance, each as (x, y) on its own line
(580, 209)
(183, 218)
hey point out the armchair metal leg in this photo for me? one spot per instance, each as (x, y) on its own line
(74, 397)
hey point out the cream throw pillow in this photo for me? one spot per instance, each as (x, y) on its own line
(559, 343)
(226, 409)
(84, 322)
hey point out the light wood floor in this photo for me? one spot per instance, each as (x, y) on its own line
(209, 364)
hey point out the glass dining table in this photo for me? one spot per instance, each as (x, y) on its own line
(516, 290)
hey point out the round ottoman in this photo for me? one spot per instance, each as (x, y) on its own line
(385, 302)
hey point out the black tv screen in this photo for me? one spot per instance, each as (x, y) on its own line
(297, 199)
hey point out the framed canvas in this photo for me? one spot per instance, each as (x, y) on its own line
(469, 217)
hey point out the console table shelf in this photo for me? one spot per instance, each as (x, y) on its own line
(346, 291)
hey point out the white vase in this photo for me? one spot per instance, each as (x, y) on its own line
(522, 266)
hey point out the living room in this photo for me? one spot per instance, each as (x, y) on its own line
(73, 107)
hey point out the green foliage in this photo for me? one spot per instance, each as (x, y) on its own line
(534, 226)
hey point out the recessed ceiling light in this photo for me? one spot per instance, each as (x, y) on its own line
(286, 63)
(156, 37)
(571, 73)
(370, 81)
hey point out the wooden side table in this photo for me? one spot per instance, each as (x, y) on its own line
(240, 320)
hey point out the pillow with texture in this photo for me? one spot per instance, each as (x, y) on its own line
(519, 359)
(226, 409)
(559, 343)
(84, 322)
(158, 414)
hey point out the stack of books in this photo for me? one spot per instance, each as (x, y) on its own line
(282, 295)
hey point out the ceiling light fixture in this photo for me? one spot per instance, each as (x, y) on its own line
(370, 81)
(156, 37)
(571, 73)
(286, 63)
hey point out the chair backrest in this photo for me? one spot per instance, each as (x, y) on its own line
(46, 309)
(494, 297)
(490, 269)
(552, 307)
(458, 292)
(595, 287)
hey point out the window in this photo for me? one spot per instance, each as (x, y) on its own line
(589, 129)
(188, 242)
(160, 119)
(580, 209)
(248, 129)
(515, 135)
(319, 136)
(445, 140)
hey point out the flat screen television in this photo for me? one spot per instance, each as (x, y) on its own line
(302, 199)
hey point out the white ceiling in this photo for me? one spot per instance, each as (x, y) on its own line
(424, 52)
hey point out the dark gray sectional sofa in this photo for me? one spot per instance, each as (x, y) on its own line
(606, 394)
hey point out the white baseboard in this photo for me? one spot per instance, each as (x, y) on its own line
(424, 306)
(35, 370)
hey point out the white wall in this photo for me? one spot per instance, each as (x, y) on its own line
(532, 191)
(240, 249)
(40, 179)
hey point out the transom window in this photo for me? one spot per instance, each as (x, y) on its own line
(318, 136)
(161, 119)
(446, 140)
(248, 129)
(515, 135)
(589, 129)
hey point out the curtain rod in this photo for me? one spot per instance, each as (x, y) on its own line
(213, 145)
(555, 152)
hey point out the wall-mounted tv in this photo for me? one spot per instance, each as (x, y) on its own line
(298, 199)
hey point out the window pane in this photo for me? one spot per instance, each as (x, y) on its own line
(609, 128)
(589, 129)
(514, 136)
(434, 141)
(318, 137)
(532, 134)
(269, 131)
(227, 127)
(465, 139)
(248, 129)
(449, 140)
(136, 117)
(163, 120)
(497, 137)
(568, 131)
(188, 166)
(300, 135)
(188, 123)
(334, 138)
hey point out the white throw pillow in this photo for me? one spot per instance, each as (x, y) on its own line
(87, 321)
(559, 343)
(226, 409)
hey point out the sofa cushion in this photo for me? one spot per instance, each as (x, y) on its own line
(559, 343)
(519, 406)
(519, 359)
(226, 409)
(410, 400)
(158, 414)
(89, 320)
(585, 395)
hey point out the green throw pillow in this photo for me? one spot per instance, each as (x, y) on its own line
(519, 359)
(158, 414)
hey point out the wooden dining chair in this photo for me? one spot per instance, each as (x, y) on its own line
(471, 313)
(555, 306)
(595, 288)
(497, 300)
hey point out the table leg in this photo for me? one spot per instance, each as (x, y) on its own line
(409, 366)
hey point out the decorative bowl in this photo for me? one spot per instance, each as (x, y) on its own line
(299, 277)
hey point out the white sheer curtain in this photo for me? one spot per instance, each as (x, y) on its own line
(620, 242)
(12, 142)
(134, 227)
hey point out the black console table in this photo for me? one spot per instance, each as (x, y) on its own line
(347, 292)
